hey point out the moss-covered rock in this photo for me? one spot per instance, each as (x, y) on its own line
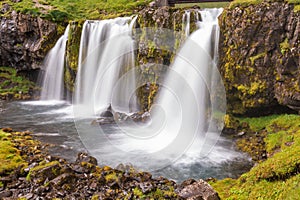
(72, 53)
(14, 86)
(259, 56)
(277, 177)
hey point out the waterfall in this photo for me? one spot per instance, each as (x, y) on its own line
(186, 22)
(186, 100)
(53, 81)
(181, 124)
(106, 54)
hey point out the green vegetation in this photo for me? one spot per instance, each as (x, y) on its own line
(296, 4)
(257, 124)
(204, 5)
(64, 10)
(14, 86)
(10, 157)
(278, 177)
(244, 3)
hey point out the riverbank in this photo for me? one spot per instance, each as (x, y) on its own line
(29, 172)
(274, 143)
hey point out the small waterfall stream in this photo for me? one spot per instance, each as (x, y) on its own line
(186, 18)
(53, 81)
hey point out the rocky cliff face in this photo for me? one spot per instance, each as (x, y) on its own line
(25, 40)
(259, 57)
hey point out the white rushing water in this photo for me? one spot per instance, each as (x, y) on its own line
(182, 132)
(184, 125)
(186, 18)
(106, 54)
(53, 81)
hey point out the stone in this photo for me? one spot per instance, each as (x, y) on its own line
(84, 157)
(199, 190)
(25, 40)
(161, 3)
(63, 179)
(259, 58)
(5, 193)
(5, 8)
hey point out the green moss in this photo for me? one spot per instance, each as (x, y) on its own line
(258, 56)
(72, 54)
(111, 177)
(15, 85)
(254, 88)
(204, 5)
(296, 4)
(244, 3)
(65, 10)
(43, 165)
(258, 123)
(10, 157)
(276, 178)
(284, 46)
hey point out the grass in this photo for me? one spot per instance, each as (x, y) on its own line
(64, 10)
(10, 157)
(244, 3)
(257, 124)
(278, 177)
(13, 84)
(204, 5)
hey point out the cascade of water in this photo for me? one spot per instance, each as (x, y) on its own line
(186, 22)
(53, 81)
(106, 53)
(181, 116)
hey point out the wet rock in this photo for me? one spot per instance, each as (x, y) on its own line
(199, 190)
(7, 129)
(84, 157)
(146, 187)
(5, 8)
(42, 173)
(65, 178)
(5, 194)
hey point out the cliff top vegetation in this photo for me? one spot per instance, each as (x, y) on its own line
(64, 10)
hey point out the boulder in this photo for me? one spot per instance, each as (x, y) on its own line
(198, 190)
(25, 39)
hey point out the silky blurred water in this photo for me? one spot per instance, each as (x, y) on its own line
(52, 122)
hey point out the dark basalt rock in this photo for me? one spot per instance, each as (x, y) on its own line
(259, 58)
(25, 40)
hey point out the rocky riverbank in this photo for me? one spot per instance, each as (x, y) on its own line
(29, 172)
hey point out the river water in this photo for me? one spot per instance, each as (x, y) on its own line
(53, 122)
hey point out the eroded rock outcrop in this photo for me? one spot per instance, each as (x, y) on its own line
(259, 57)
(25, 40)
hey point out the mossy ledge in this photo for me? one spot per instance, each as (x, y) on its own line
(14, 86)
(277, 176)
